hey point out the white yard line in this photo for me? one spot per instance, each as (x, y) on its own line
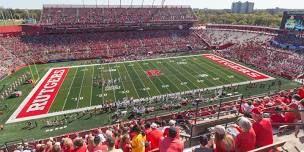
(78, 100)
(136, 100)
(168, 88)
(114, 92)
(184, 75)
(13, 118)
(149, 79)
(210, 70)
(220, 71)
(141, 81)
(122, 81)
(102, 87)
(185, 56)
(65, 100)
(177, 77)
(92, 87)
(131, 80)
(191, 76)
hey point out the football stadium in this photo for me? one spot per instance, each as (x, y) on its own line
(150, 78)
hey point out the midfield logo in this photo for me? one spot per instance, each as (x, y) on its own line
(153, 73)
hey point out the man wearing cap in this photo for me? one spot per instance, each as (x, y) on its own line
(171, 143)
(262, 128)
(98, 140)
(154, 136)
(172, 124)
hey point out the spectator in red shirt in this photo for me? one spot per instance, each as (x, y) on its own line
(277, 118)
(262, 128)
(172, 124)
(292, 117)
(301, 92)
(246, 139)
(147, 128)
(68, 145)
(147, 131)
(171, 143)
(98, 146)
(49, 146)
(57, 147)
(154, 136)
(223, 142)
(111, 145)
(79, 145)
(125, 143)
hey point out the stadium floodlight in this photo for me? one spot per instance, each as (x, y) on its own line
(142, 3)
(153, 3)
(163, 3)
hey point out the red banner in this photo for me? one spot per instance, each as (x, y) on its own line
(42, 99)
(236, 67)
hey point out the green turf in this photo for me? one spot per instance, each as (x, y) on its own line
(177, 75)
(136, 79)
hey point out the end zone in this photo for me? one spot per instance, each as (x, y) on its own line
(41, 98)
(237, 67)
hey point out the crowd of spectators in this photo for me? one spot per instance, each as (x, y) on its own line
(223, 36)
(290, 40)
(67, 15)
(274, 60)
(18, 51)
(253, 130)
(136, 136)
(254, 48)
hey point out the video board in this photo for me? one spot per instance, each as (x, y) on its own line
(293, 21)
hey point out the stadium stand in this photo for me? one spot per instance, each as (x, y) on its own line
(123, 133)
(63, 17)
(45, 48)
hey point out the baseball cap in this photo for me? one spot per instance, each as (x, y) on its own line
(257, 111)
(172, 122)
(153, 125)
(219, 129)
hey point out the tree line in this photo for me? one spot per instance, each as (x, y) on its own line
(259, 18)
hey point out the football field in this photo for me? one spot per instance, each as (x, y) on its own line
(77, 88)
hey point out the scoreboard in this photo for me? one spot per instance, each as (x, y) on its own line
(293, 21)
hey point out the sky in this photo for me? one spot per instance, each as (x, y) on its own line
(211, 4)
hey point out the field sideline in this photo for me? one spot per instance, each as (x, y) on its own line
(90, 86)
